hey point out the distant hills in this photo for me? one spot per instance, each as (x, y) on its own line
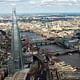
(43, 14)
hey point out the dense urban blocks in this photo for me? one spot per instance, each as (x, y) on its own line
(39, 47)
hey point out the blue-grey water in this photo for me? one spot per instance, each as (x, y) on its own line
(32, 36)
(73, 60)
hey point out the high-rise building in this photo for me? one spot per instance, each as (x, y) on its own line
(16, 61)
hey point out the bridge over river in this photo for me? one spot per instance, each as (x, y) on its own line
(73, 59)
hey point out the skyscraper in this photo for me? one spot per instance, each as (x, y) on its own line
(16, 62)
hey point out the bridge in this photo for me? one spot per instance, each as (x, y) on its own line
(41, 42)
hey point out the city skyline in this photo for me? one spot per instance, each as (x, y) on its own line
(40, 6)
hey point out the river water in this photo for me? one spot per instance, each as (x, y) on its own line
(31, 35)
(73, 59)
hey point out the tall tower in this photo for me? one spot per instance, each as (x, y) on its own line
(16, 62)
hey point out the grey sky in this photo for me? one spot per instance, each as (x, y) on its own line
(40, 6)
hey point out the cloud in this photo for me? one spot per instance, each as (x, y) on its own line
(43, 1)
(56, 2)
(10, 0)
(46, 2)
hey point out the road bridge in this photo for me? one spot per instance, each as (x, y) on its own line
(41, 42)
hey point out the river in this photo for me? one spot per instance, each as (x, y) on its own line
(73, 59)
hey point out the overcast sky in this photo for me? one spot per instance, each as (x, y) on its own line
(40, 6)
